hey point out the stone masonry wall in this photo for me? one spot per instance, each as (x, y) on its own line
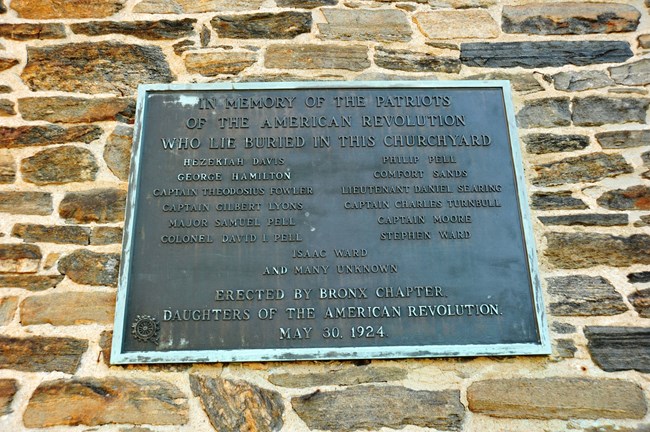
(68, 74)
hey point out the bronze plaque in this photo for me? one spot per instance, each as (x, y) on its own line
(326, 221)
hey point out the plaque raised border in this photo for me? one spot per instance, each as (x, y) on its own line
(147, 330)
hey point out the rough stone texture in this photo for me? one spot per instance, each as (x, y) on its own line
(562, 200)
(644, 41)
(67, 109)
(52, 9)
(348, 376)
(5, 89)
(30, 282)
(312, 56)
(40, 135)
(619, 348)
(623, 139)
(632, 198)
(8, 389)
(91, 268)
(563, 328)
(412, 61)
(95, 67)
(238, 405)
(557, 398)
(7, 63)
(461, 4)
(581, 80)
(41, 354)
(217, 63)
(94, 401)
(586, 168)
(363, 24)
(60, 165)
(19, 258)
(26, 203)
(549, 112)
(7, 108)
(151, 30)
(570, 18)
(195, 6)
(22, 32)
(52, 233)
(374, 407)
(542, 143)
(69, 308)
(305, 4)
(639, 277)
(96, 205)
(636, 73)
(543, 53)
(591, 219)
(581, 250)
(564, 348)
(641, 302)
(580, 295)
(106, 235)
(283, 25)
(598, 110)
(117, 152)
(455, 24)
(524, 83)
(8, 307)
(7, 167)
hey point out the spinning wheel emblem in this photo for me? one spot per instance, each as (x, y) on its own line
(145, 328)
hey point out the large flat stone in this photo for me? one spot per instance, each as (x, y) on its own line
(581, 295)
(151, 30)
(542, 143)
(27, 203)
(414, 61)
(599, 110)
(635, 73)
(64, 234)
(67, 309)
(386, 25)
(41, 354)
(195, 6)
(581, 80)
(557, 398)
(19, 258)
(95, 67)
(60, 165)
(95, 205)
(30, 282)
(633, 198)
(543, 53)
(282, 25)
(238, 405)
(586, 219)
(582, 250)
(623, 139)
(91, 268)
(349, 376)
(217, 63)
(69, 109)
(457, 24)
(42, 135)
(562, 200)
(28, 31)
(317, 56)
(53, 9)
(100, 401)
(619, 348)
(591, 167)
(375, 407)
(570, 18)
(547, 112)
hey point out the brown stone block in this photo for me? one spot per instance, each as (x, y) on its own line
(60, 165)
(8, 389)
(52, 233)
(106, 235)
(52, 9)
(95, 205)
(582, 250)
(41, 354)
(67, 109)
(349, 376)
(633, 198)
(376, 407)
(457, 24)
(557, 398)
(365, 24)
(217, 63)
(7, 63)
(152, 30)
(195, 6)
(28, 203)
(8, 307)
(283, 25)
(25, 136)
(93, 402)
(570, 18)
(90, 268)
(238, 405)
(317, 56)
(19, 258)
(585, 168)
(30, 282)
(7, 167)
(22, 32)
(413, 61)
(580, 295)
(69, 308)
(95, 67)
(619, 348)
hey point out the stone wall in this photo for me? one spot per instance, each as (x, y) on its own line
(68, 74)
